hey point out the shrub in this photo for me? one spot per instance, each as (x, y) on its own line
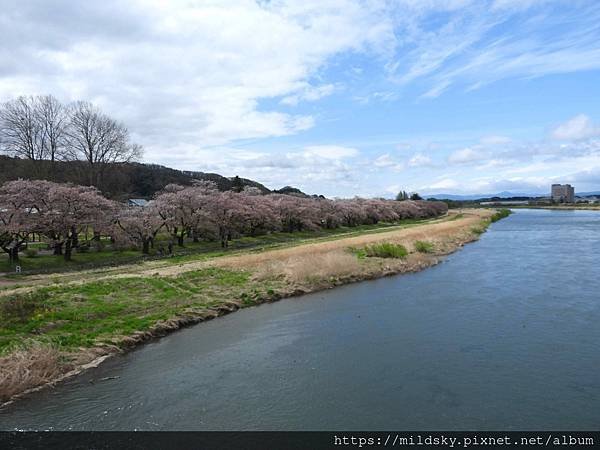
(31, 253)
(478, 230)
(386, 250)
(424, 247)
(360, 253)
(501, 214)
(31, 365)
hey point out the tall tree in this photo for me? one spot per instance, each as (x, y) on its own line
(98, 140)
(52, 118)
(21, 133)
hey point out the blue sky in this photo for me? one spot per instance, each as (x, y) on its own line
(336, 97)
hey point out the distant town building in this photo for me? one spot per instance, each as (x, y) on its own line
(137, 202)
(563, 193)
(504, 202)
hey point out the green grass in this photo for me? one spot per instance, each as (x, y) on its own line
(478, 230)
(424, 247)
(386, 250)
(85, 315)
(500, 214)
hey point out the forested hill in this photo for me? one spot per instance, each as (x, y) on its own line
(119, 180)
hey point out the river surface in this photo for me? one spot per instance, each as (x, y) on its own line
(505, 334)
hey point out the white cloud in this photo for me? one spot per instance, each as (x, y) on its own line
(186, 72)
(578, 127)
(517, 4)
(478, 44)
(446, 183)
(386, 161)
(466, 155)
(309, 94)
(331, 151)
(419, 160)
(495, 140)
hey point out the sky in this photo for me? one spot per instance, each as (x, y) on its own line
(335, 97)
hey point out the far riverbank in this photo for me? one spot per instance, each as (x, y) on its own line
(560, 207)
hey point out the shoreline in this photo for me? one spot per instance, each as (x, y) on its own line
(290, 272)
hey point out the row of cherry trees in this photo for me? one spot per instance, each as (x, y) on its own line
(63, 212)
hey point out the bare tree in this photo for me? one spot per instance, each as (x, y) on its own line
(99, 140)
(21, 133)
(52, 119)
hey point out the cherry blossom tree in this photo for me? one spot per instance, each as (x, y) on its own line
(262, 217)
(228, 212)
(19, 214)
(296, 213)
(64, 211)
(184, 209)
(140, 225)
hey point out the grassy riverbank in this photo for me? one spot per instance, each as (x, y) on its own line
(53, 326)
(43, 261)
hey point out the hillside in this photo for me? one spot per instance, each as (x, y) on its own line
(120, 180)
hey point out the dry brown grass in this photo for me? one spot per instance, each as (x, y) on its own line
(311, 267)
(30, 366)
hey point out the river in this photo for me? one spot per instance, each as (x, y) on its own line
(505, 334)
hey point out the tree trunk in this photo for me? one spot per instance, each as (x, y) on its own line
(180, 240)
(68, 249)
(74, 238)
(195, 237)
(58, 248)
(96, 241)
(146, 246)
(13, 254)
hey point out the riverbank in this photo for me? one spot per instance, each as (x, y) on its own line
(59, 326)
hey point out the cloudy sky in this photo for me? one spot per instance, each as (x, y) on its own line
(337, 97)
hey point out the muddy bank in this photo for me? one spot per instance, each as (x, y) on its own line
(296, 266)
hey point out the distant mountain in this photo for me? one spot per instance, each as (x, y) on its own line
(289, 190)
(504, 194)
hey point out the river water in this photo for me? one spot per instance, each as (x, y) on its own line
(505, 334)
